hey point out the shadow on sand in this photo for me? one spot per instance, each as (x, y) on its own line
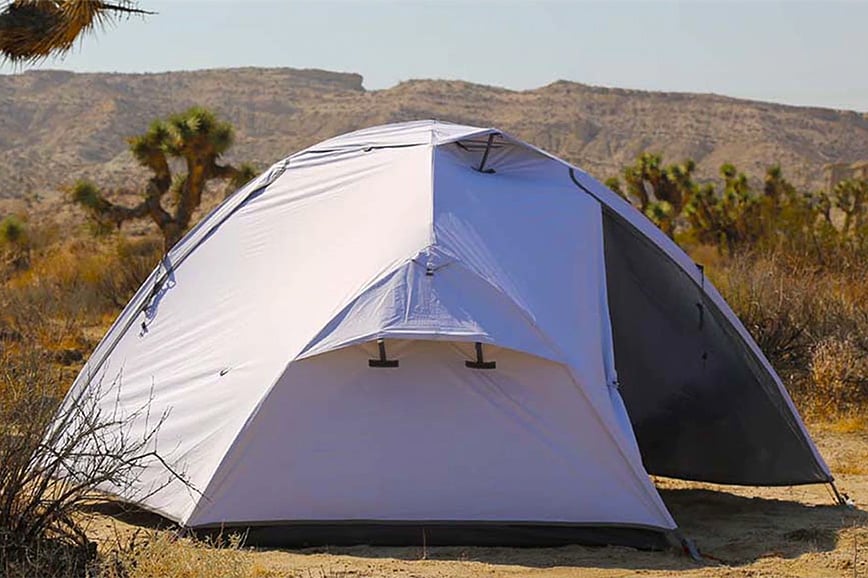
(727, 528)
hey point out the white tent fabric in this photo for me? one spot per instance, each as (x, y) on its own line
(254, 333)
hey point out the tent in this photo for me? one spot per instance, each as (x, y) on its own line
(433, 332)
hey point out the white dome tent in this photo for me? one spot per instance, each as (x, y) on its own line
(428, 326)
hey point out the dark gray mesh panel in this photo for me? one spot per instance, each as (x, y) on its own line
(702, 406)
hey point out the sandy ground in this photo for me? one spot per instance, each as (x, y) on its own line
(755, 532)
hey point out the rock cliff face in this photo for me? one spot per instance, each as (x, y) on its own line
(58, 126)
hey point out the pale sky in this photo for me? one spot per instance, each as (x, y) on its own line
(797, 52)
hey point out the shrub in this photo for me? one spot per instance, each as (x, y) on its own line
(53, 458)
(839, 369)
(14, 244)
(71, 287)
(775, 308)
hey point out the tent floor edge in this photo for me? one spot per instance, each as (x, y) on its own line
(521, 535)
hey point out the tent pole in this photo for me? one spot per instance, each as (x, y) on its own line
(481, 168)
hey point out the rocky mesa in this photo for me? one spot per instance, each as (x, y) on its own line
(56, 127)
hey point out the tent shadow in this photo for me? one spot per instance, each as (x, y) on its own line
(128, 514)
(739, 530)
(728, 529)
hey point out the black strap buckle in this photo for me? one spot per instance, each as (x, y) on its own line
(480, 362)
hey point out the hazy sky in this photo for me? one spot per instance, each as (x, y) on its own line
(813, 53)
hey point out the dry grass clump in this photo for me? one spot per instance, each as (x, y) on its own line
(154, 554)
(857, 423)
(69, 293)
(89, 276)
(839, 369)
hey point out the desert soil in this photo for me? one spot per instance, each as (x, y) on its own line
(755, 532)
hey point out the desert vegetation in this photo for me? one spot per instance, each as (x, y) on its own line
(792, 263)
(195, 140)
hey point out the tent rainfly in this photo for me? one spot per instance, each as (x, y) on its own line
(428, 331)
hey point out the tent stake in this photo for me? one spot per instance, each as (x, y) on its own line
(841, 499)
(679, 541)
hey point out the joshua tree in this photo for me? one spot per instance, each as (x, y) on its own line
(729, 219)
(851, 197)
(32, 30)
(14, 244)
(789, 215)
(197, 138)
(661, 192)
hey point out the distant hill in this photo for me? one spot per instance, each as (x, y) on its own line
(56, 127)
